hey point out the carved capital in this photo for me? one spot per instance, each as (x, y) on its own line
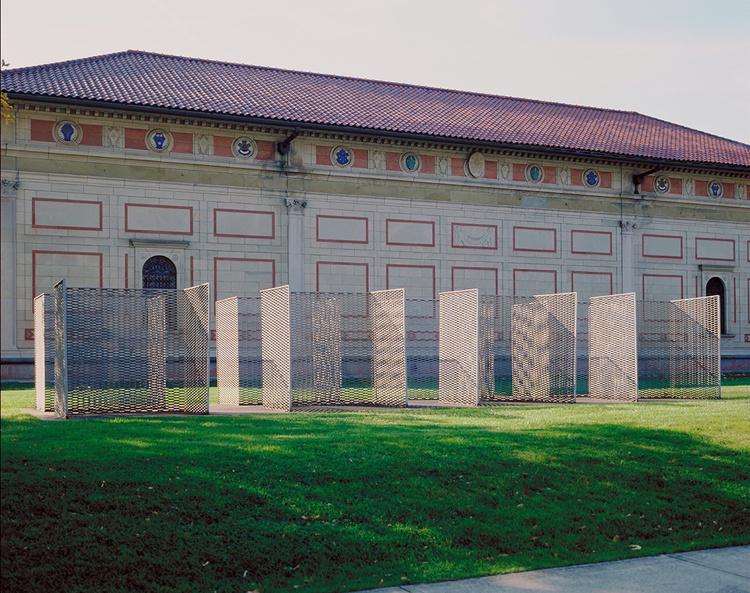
(628, 226)
(295, 206)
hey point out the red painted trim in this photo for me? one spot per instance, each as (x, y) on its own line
(424, 267)
(192, 272)
(573, 232)
(341, 263)
(748, 242)
(643, 284)
(484, 226)
(430, 222)
(531, 228)
(734, 249)
(265, 212)
(734, 302)
(220, 259)
(643, 246)
(697, 294)
(494, 270)
(553, 272)
(36, 252)
(748, 300)
(574, 273)
(126, 271)
(317, 229)
(34, 225)
(188, 208)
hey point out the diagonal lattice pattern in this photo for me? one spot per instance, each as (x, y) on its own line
(388, 323)
(238, 351)
(422, 348)
(696, 348)
(544, 348)
(44, 352)
(459, 373)
(276, 348)
(654, 327)
(613, 354)
(120, 351)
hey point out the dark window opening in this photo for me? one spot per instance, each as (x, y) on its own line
(159, 272)
(715, 287)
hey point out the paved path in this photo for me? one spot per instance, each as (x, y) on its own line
(724, 570)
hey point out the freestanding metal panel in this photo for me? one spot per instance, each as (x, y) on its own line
(459, 381)
(544, 348)
(655, 336)
(44, 352)
(238, 351)
(388, 321)
(131, 351)
(613, 352)
(696, 348)
(276, 348)
(422, 348)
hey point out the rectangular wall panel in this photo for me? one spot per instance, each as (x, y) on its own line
(246, 224)
(341, 229)
(613, 353)
(590, 242)
(459, 347)
(661, 246)
(158, 219)
(418, 233)
(485, 279)
(332, 276)
(714, 249)
(662, 287)
(242, 276)
(466, 235)
(80, 269)
(528, 282)
(82, 215)
(535, 239)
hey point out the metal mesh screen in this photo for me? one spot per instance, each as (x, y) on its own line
(276, 348)
(654, 327)
(238, 351)
(613, 356)
(388, 322)
(44, 352)
(459, 376)
(696, 348)
(422, 348)
(544, 348)
(131, 351)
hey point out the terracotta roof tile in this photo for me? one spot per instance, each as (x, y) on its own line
(194, 85)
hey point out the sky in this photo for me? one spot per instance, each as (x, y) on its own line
(685, 61)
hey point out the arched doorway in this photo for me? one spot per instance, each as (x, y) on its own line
(159, 272)
(715, 287)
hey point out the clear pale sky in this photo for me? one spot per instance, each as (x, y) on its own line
(685, 61)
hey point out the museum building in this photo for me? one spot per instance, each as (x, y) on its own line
(137, 169)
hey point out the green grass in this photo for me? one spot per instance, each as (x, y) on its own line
(334, 502)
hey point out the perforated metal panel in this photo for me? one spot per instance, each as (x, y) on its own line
(654, 327)
(228, 351)
(459, 377)
(696, 348)
(276, 348)
(613, 354)
(44, 352)
(131, 351)
(544, 348)
(388, 322)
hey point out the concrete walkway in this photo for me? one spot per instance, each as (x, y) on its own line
(723, 570)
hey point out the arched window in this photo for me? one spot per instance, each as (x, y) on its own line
(159, 272)
(715, 287)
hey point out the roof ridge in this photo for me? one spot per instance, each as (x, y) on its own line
(71, 61)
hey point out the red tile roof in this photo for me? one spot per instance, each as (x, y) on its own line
(136, 78)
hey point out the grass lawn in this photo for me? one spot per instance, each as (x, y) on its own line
(334, 502)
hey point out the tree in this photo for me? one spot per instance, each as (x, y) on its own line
(6, 108)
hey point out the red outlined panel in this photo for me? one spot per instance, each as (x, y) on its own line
(359, 219)
(650, 275)
(192, 271)
(365, 265)
(390, 267)
(490, 234)
(517, 271)
(454, 269)
(699, 240)
(535, 230)
(270, 214)
(37, 252)
(127, 271)
(653, 255)
(576, 273)
(606, 235)
(219, 259)
(392, 222)
(130, 229)
(36, 225)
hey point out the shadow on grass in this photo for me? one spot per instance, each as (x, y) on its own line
(330, 503)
